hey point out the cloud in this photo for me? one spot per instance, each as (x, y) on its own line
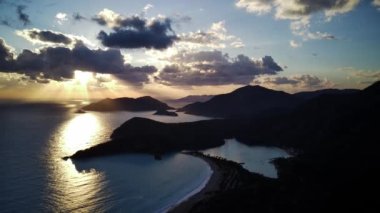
(376, 3)
(365, 77)
(178, 18)
(301, 28)
(295, 9)
(6, 56)
(295, 82)
(22, 16)
(215, 37)
(52, 38)
(61, 18)
(295, 44)
(78, 17)
(147, 7)
(300, 13)
(5, 23)
(214, 68)
(11, 80)
(45, 36)
(256, 6)
(59, 63)
(135, 32)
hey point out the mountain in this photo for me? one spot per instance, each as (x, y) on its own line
(145, 103)
(336, 118)
(245, 101)
(180, 102)
(313, 94)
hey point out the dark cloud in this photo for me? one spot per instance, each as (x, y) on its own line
(120, 22)
(215, 37)
(59, 63)
(22, 16)
(6, 57)
(135, 32)
(297, 81)
(215, 68)
(153, 36)
(46, 36)
(307, 7)
(136, 74)
(281, 80)
(5, 23)
(181, 18)
(78, 17)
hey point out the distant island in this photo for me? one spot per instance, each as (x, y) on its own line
(165, 112)
(181, 102)
(145, 103)
(334, 137)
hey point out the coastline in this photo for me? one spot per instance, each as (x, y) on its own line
(190, 194)
(212, 186)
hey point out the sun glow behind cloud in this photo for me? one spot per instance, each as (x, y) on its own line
(83, 77)
(84, 86)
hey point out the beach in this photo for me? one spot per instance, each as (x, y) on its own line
(225, 176)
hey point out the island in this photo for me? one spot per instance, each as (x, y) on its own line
(165, 113)
(145, 103)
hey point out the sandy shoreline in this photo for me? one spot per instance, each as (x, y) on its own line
(212, 185)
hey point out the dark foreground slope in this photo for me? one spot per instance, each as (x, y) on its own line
(145, 103)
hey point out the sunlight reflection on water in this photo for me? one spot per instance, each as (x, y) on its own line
(73, 190)
(78, 133)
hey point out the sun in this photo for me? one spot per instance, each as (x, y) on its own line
(83, 77)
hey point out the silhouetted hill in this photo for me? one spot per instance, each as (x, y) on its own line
(318, 121)
(148, 136)
(145, 103)
(180, 102)
(313, 94)
(245, 101)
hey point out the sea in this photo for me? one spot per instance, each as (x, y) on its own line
(34, 178)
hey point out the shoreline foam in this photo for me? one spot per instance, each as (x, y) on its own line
(213, 185)
(189, 195)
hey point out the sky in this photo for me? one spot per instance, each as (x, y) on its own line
(92, 49)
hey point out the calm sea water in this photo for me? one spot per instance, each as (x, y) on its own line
(255, 158)
(34, 178)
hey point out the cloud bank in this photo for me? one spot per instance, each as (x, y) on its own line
(214, 68)
(59, 63)
(45, 36)
(295, 82)
(135, 32)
